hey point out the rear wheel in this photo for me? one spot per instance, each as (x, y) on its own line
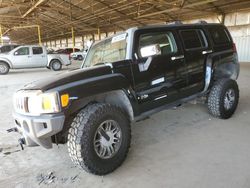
(4, 68)
(99, 138)
(56, 65)
(223, 98)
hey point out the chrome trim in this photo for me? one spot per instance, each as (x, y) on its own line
(177, 57)
(207, 52)
(161, 97)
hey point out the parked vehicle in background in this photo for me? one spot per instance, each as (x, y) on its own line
(66, 51)
(50, 51)
(78, 55)
(31, 56)
(8, 48)
(126, 78)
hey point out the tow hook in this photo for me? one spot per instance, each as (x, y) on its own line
(21, 142)
(13, 129)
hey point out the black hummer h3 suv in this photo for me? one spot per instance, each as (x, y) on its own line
(123, 79)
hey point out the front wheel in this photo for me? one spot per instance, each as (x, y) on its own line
(99, 138)
(223, 98)
(4, 68)
(56, 65)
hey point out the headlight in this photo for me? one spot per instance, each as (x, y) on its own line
(36, 102)
(43, 103)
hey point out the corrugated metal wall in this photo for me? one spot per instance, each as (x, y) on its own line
(243, 48)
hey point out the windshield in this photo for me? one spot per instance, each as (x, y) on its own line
(107, 51)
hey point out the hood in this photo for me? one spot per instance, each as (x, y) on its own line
(4, 54)
(68, 77)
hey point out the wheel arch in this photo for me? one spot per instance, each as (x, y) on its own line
(217, 69)
(117, 97)
(6, 62)
(226, 70)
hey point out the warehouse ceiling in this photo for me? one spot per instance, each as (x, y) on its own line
(57, 17)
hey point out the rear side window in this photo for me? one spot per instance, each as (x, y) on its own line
(219, 35)
(193, 39)
(37, 50)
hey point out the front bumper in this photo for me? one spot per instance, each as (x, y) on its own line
(37, 130)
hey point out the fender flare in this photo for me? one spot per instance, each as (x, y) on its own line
(216, 69)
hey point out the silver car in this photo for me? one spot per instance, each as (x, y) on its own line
(31, 56)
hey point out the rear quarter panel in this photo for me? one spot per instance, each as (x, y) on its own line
(63, 58)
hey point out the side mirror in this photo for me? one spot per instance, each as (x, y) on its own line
(15, 53)
(150, 50)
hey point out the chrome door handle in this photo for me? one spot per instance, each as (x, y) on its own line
(207, 52)
(177, 57)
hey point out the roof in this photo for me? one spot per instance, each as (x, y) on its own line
(176, 25)
(56, 17)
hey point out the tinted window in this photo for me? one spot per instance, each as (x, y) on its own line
(165, 40)
(37, 50)
(5, 49)
(22, 51)
(193, 39)
(219, 35)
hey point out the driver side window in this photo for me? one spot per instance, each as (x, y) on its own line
(162, 43)
(22, 51)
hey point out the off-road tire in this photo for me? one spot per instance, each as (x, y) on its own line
(81, 135)
(56, 65)
(217, 95)
(5, 67)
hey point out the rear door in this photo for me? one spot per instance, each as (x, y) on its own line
(196, 50)
(161, 78)
(38, 59)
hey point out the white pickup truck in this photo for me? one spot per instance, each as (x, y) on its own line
(31, 56)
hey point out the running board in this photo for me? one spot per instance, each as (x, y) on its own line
(144, 115)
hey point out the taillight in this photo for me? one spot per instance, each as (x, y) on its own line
(234, 48)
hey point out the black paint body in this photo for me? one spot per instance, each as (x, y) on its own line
(182, 77)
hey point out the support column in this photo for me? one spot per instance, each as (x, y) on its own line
(39, 35)
(83, 41)
(223, 16)
(73, 38)
(1, 35)
(67, 42)
(99, 33)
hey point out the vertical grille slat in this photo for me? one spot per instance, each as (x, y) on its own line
(22, 104)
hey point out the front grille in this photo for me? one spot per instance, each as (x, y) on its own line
(22, 104)
(21, 99)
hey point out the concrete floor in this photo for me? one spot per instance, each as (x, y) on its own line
(182, 148)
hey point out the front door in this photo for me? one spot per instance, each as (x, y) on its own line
(21, 58)
(159, 69)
